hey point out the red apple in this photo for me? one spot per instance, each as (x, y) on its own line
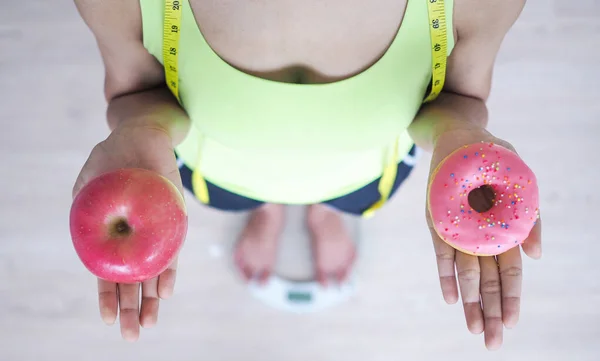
(128, 225)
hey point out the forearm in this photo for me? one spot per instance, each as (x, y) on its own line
(449, 111)
(153, 108)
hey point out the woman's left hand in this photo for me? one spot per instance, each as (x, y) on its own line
(490, 287)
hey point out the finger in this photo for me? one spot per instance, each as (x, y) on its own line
(468, 280)
(107, 300)
(150, 303)
(491, 297)
(511, 279)
(129, 315)
(444, 255)
(532, 246)
(166, 281)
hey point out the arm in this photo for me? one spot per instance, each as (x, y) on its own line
(146, 122)
(481, 27)
(134, 80)
(490, 287)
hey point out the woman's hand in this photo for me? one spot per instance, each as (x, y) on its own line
(490, 287)
(145, 146)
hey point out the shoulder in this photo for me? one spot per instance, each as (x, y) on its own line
(480, 27)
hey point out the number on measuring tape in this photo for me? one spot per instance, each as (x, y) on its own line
(172, 26)
(439, 46)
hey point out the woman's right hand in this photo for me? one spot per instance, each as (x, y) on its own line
(150, 147)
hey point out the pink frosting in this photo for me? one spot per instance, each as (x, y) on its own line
(515, 208)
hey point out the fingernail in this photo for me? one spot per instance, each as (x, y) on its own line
(130, 336)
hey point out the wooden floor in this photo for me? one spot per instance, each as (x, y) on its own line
(545, 101)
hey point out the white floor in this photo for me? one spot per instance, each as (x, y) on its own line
(545, 101)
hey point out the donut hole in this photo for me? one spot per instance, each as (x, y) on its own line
(482, 199)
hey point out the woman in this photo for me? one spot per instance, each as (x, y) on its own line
(287, 102)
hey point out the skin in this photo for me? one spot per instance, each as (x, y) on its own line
(141, 109)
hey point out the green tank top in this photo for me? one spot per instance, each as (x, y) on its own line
(297, 143)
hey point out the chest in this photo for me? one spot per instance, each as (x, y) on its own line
(310, 41)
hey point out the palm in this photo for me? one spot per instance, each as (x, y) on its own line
(127, 148)
(490, 287)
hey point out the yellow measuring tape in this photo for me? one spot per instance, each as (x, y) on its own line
(439, 48)
(171, 34)
(171, 31)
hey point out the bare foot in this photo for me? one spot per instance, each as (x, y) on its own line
(333, 249)
(256, 251)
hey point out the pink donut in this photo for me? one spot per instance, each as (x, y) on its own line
(514, 209)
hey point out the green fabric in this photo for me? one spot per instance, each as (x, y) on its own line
(296, 143)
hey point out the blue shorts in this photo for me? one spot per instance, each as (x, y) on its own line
(354, 203)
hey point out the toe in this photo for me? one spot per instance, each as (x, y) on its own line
(247, 272)
(342, 275)
(346, 268)
(241, 265)
(321, 277)
(264, 276)
(343, 272)
(238, 259)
